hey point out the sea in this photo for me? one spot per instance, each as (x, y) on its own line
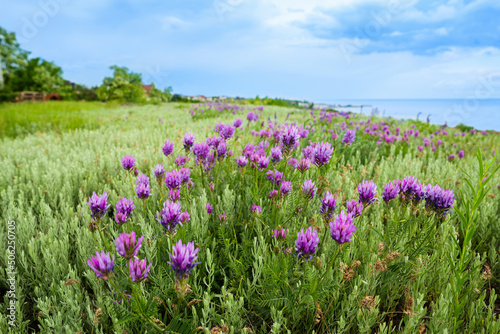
(482, 114)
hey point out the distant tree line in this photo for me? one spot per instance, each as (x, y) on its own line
(19, 72)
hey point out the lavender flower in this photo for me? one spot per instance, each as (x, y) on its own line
(367, 191)
(349, 137)
(168, 148)
(263, 162)
(124, 209)
(128, 162)
(285, 187)
(391, 191)
(322, 153)
(222, 216)
(139, 270)
(294, 163)
(142, 191)
(209, 208)
(159, 172)
(126, 245)
(201, 150)
(102, 264)
(185, 217)
(142, 179)
(227, 131)
(242, 161)
(273, 193)
(237, 122)
(306, 242)
(182, 259)
(185, 175)
(354, 207)
(451, 157)
(328, 205)
(222, 150)
(256, 209)
(174, 195)
(170, 215)
(290, 138)
(173, 179)
(439, 200)
(251, 116)
(461, 154)
(279, 234)
(342, 228)
(180, 161)
(304, 165)
(308, 152)
(276, 155)
(308, 189)
(188, 141)
(98, 205)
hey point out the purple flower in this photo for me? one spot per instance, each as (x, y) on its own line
(349, 137)
(170, 215)
(306, 242)
(342, 228)
(185, 175)
(407, 185)
(248, 150)
(180, 161)
(354, 207)
(126, 245)
(138, 269)
(185, 217)
(308, 152)
(142, 179)
(237, 122)
(222, 150)
(102, 264)
(98, 205)
(142, 191)
(439, 200)
(275, 177)
(276, 155)
(251, 116)
(285, 188)
(461, 154)
(328, 205)
(294, 163)
(159, 172)
(174, 195)
(391, 191)
(173, 179)
(322, 153)
(242, 161)
(279, 234)
(451, 157)
(222, 216)
(124, 209)
(168, 148)
(182, 259)
(188, 141)
(290, 138)
(367, 191)
(273, 193)
(201, 150)
(308, 189)
(209, 208)
(128, 162)
(304, 165)
(256, 209)
(227, 131)
(263, 162)
(119, 217)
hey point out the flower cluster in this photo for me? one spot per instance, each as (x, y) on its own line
(98, 205)
(124, 208)
(307, 242)
(367, 191)
(342, 228)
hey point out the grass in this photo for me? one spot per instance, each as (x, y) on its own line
(405, 270)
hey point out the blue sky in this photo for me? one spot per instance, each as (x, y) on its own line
(317, 50)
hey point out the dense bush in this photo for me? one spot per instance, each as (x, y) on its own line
(374, 228)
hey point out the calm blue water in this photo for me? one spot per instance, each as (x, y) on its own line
(483, 114)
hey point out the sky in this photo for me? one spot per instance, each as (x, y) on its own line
(315, 50)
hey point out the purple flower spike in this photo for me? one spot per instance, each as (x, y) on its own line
(209, 208)
(322, 153)
(308, 189)
(170, 215)
(279, 234)
(354, 207)
(439, 200)
(180, 160)
(276, 155)
(367, 191)
(306, 242)
(188, 141)
(227, 131)
(185, 175)
(128, 162)
(126, 245)
(242, 161)
(173, 179)
(349, 137)
(451, 157)
(168, 148)
(328, 205)
(201, 151)
(304, 165)
(102, 264)
(142, 179)
(342, 228)
(139, 270)
(143, 191)
(273, 193)
(391, 191)
(182, 259)
(290, 138)
(294, 163)
(124, 209)
(174, 195)
(159, 172)
(237, 122)
(263, 162)
(285, 188)
(461, 154)
(222, 216)
(98, 205)
(256, 209)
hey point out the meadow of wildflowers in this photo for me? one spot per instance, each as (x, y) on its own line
(247, 219)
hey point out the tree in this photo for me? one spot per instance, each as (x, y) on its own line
(12, 57)
(124, 86)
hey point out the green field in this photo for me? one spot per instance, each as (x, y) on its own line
(406, 270)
